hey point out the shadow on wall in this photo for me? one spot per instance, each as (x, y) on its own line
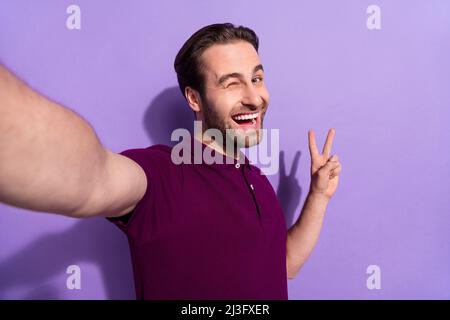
(289, 191)
(167, 112)
(99, 242)
(92, 240)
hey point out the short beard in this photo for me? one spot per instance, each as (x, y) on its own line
(233, 138)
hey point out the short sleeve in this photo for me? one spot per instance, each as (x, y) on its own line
(136, 224)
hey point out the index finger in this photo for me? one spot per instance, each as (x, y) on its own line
(312, 143)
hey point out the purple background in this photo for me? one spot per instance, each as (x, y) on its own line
(386, 92)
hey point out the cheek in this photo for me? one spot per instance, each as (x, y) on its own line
(264, 93)
(226, 103)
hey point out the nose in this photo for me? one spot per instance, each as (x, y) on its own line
(251, 97)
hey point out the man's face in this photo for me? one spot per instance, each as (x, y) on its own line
(236, 97)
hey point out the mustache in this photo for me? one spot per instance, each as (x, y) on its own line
(262, 109)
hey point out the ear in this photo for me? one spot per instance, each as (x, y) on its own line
(193, 99)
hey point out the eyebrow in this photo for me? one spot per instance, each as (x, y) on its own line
(225, 77)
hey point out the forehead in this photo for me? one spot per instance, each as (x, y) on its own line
(221, 59)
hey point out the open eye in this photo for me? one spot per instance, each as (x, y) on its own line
(257, 79)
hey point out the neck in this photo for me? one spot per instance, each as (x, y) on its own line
(234, 153)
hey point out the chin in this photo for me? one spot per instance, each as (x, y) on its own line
(247, 139)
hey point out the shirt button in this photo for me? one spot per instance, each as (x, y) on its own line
(251, 187)
(237, 165)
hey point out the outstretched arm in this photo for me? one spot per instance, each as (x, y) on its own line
(51, 160)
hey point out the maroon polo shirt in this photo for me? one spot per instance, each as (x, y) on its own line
(205, 231)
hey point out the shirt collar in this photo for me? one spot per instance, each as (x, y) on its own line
(227, 161)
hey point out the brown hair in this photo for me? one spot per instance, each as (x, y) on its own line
(187, 63)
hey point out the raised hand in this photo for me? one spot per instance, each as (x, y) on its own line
(324, 169)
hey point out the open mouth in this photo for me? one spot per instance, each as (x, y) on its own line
(246, 118)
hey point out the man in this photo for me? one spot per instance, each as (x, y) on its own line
(196, 231)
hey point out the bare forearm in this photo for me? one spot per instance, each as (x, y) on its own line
(303, 235)
(48, 154)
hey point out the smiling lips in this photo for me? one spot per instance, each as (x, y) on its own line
(246, 119)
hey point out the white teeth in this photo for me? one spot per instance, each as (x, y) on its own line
(253, 121)
(246, 116)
